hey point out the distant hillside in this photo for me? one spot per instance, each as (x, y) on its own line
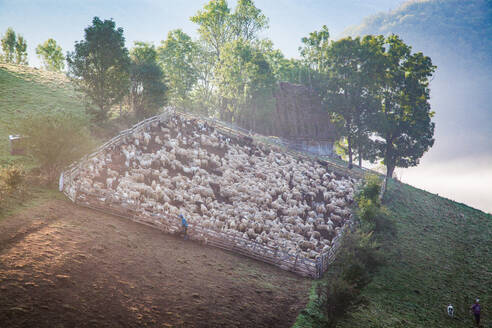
(25, 89)
(442, 27)
(441, 255)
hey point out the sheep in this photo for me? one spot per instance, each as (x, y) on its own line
(257, 184)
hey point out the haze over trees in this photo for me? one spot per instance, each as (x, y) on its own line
(375, 89)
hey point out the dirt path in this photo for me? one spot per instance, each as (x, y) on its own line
(65, 266)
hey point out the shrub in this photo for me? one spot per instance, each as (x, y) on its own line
(373, 216)
(336, 296)
(357, 260)
(55, 138)
(358, 257)
(11, 178)
(371, 188)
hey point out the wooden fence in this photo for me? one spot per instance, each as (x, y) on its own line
(295, 263)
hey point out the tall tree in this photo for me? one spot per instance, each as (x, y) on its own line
(202, 96)
(51, 55)
(245, 82)
(99, 66)
(9, 41)
(14, 48)
(404, 128)
(177, 55)
(315, 49)
(354, 68)
(147, 89)
(214, 24)
(21, 51)
(218, 26)
(247, 21)
(315, 56)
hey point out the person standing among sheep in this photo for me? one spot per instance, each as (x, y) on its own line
(184, 225)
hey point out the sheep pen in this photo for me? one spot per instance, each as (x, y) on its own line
(236, 193)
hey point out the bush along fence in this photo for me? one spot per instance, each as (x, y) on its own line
(296, 263)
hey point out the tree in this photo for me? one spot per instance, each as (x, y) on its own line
(147, 89)
(247, 21)
(315, 53)
(14, 48)
(245, 82)
(315, 49)
(215, 24)
(354, 69)
(219, 26)
(404, 128)
(287, 70)
(99, 66)
(9, 42)
(51, 55)
(202, 96)
(177, 56)
(21, 51)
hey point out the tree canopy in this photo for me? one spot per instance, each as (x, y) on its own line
(100, 65)
(14, 48)
(177, 56)
(354, 69)
(51, 55)
(147, 89)
(245, 82)
(404, 128)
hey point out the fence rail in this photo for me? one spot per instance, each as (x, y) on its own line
(295, 263)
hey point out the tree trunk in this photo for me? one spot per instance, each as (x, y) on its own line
(389, 161)
(360, 158)
(390, 168)
(349, 148)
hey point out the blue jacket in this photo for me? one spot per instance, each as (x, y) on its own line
(184, 223)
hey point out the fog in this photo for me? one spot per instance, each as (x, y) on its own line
(459, 165)
(464, 180)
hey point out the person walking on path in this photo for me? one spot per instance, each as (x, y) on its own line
(184, 225)
(475, 309)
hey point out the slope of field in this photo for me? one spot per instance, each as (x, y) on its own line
(24, 89)
(65, 266)
(442, 255)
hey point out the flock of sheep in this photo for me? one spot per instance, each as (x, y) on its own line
(228, 184)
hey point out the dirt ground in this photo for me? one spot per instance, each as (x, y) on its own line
(66, 266)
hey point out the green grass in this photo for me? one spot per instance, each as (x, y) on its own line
(442, 254)
(33, 197)
(311, 316)
(24, 89)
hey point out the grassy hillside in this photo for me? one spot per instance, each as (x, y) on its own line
(442, 254)
(25, 89)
